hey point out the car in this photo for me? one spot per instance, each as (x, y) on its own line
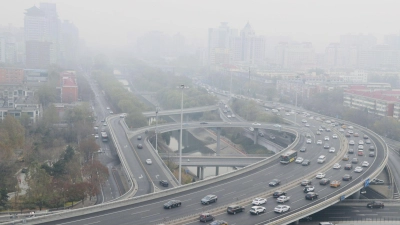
(320, 130)
(350, 132)
(354, 160)
(111, 112)
(203, 122)
(164, 183)
(229, 116)
(360, 152)
(365, 136)
(351, 127)
(326, 138)
(274, 182)
(360, 142)
(148, 161)
(259, 201)
(371, 148)
(341, 130)
(328, 129)
(356, 135)
(104, 124)
(306, 162)
(334, 136)
(307, 125)
(319, 142)
(233, 209)
(321, 159)
(360, 147)
(205, 217)
(347, 135)
(367, 141)
(282, 208)
(304, 121)
(326, 146)
(108, 108)
(277, 126)
(311, 196)
(332, 150)
(376, 204)
(351, 142)
(209, 199)
(345, 158)
(303, 149)
(139, 146)
(324, 181)
(371, 154)
(257, 124)
(255, 210)
(96, 136)
(337, 166)
(305, 182)
(299, 160)
(377, 181)
(308, 188)
(365, 164)
(278, 193)
(261, 134)
(139, 137)
(348, 166)
(320, 175)
(308, 141)
(351, 151)
(358, 169)
(272, 137)
(219, 222)
(318, 133)
(283, 199)
(347, 177)
(308, 135)
(335, 183)
(172, 204)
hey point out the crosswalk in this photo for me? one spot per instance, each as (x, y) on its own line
(396, 195)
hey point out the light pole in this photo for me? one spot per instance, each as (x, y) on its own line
(182, 86)
(230, 91)
(157, 108)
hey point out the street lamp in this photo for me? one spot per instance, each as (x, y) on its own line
(157, 108)
(182, 87)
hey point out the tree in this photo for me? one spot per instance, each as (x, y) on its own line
(95, 174)
(87, 147)
(46, 94)
(12, 136)
(3, 197)
(39, 191)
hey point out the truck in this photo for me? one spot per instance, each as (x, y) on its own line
(283, 199)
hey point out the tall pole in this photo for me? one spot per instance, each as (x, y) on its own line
(295, 114)
(230, 91)
(156, 127)
(180, 138)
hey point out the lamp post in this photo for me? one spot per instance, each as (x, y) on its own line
(157, 108)
(182, 86)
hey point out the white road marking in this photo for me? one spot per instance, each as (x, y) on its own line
(150, 215)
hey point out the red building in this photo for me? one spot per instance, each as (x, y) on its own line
(11, 76)
(69, 87)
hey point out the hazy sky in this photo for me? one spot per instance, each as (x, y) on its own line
(111, 22)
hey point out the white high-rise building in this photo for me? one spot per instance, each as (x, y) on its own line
(220, 43)
(2, 49)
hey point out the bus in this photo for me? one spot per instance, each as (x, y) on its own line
(288, 156)
(104, 136)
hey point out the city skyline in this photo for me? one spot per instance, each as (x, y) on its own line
(304, 21)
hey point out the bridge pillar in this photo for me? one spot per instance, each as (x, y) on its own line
(201, 172)
(296, 222)
(356, 195)
(216, 170)
(218, 140)
(255, 135)
(198, 172)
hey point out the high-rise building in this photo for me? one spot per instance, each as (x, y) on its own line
(2, 49)
(295, 56)
(52, 31)
(69, 44)
(220, 43)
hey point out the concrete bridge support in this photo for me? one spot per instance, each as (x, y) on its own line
(255, 135)
(216, 170)
(356, 195)
(218, 141)
(198, 172)
(201, 172)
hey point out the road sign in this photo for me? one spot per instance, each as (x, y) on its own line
(366, 182)
(342, 198)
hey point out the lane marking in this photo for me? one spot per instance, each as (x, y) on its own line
(150, 215)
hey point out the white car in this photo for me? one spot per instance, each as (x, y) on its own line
(351, 142)
(358, 169)
(337, 166)
(108, 108)
(283, 199)
(350, 131)
(332, 150)
(229, 116)
(308, 141)
(307, 125)
(360, 142)
(277, 126)
(96, 136)
(282, 208)
(233, 115)
(148, 161)
(334, 136)
(326, 138)
(351, 127)
(299, 160)
(259, 201)
(361, 147)
(365, 164)
(319, 142)
(104, 124)
(320, 175)
(257, 124)
(341, 130)
(304, 121)
(287, 114)
(257, 210)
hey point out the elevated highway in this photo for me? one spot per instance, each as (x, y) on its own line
(178, 111)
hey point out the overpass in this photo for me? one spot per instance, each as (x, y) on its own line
(178, 111)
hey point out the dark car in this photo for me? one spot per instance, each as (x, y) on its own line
(371, 154)
(372, 148)
(164, 183)
(139, 137)
(351, 151)
(274, 182)
(139, 146)
(303, 149)
(305, 182)
(219, 222)
(348, 167)
(278, 193)
(203, 122)
(205, 217)
(172, 204)
(354, 161)
(209, 199)
(311, 196)
(376, 204)
(326, 146)
(233, 209)
(306, 162)
(324, 181)
(347, 177)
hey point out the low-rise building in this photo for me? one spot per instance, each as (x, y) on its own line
(13, 76)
